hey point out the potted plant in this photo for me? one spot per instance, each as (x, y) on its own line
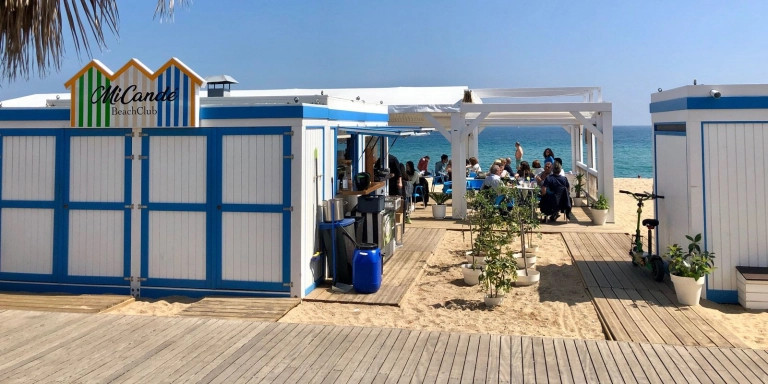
(578, 188)
(599, 210)
(523, 218)
(499, 274)
(687, 270)
(487, 239)
(438, 210)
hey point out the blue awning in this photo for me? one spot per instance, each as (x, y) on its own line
(387, 131)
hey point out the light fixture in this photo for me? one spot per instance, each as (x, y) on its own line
(296, 100)
(715, 93)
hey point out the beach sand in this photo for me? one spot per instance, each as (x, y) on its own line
(559, 306)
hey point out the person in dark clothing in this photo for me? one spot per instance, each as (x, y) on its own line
(395, 175)
(555, 195)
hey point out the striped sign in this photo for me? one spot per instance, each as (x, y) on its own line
(135, 97)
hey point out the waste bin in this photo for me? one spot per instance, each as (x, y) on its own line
(340, 261)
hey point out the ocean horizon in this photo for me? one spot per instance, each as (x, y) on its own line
(632, 147)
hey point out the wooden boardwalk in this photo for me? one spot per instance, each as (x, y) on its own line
(68, 347)
(400, 272)
(631, 305)
(244, 308)
(52, 302)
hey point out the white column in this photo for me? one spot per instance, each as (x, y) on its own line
(605, 168)
(573, 130)
(458, 157)
(473, 148)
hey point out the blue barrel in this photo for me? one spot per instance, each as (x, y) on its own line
(366, 268)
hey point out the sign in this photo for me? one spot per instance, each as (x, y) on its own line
(135, 97)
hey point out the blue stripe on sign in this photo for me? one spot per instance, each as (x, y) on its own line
(176, 76)
(159, 122)
(168, 110)
(185, 102)
(33, 114)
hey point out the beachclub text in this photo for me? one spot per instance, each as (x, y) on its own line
(115, 94)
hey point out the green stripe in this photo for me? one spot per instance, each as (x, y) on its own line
(90, 91)
(99, 105)
(81, 105)
(106, 105)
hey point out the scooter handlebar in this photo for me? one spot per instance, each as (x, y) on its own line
(643, 195)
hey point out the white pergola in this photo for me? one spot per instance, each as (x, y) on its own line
(588, 120)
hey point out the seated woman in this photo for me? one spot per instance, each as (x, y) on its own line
(474, 165)
(536, 167)
(525, 172)
(555, 194)
(415, 179)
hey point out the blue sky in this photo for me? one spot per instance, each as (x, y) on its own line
(628, 48)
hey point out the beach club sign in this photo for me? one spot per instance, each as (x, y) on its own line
(135, 97)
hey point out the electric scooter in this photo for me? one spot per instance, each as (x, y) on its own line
(652, 262)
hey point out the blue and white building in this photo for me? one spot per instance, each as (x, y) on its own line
(709, 145)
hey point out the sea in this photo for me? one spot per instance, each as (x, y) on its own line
(632, 147)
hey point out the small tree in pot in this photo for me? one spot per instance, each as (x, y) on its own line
(438, 210)
(578, 188)
(499, 274)
(687, 270)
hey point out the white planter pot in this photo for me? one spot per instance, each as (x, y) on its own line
(530, 260)
(532, 248)
(471, 276)
(579, 202)
(599, 216)
(479, 260)
(687, 289)
(527, 277)
(492, 301)
(438, 211)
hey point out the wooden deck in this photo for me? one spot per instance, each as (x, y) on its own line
(51, 302)
(68, 347)
(400, 272)
(631, 305)
(244, 308)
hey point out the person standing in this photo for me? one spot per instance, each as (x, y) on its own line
(518, 154)
(549, 156)
(423, 166)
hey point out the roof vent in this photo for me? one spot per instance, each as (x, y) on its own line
(219, 85)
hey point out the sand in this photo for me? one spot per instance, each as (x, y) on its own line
(559, 306)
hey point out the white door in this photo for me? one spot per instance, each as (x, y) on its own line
(672, 183)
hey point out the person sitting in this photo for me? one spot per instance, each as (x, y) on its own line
(413, 177)
(474, 165)
(536, 168)
(500, 163)
(423, 166)
(555, 194)
(525, 172)
(493, 179)
(440, 166)
(508, 166)
(543, 175)
(449, 170)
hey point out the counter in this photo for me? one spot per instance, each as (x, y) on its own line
(371, 188)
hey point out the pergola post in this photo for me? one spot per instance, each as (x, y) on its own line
(473, 143)
(605, 184)
(459, 139)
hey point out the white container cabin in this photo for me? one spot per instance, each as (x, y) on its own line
(135, 183)
(709, 145)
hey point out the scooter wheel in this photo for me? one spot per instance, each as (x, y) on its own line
(657, 269)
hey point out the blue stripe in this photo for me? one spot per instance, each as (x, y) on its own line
(145, 212)
(85, 205)
(176, 109)
(39, 277)
(61, 215)
(174, 283)
(668, 133)
(251, 208)
(722, 296)
(736, 102)
(33, 114)
(191, 207)
(160, 111)
(30, 132)
(310, 288)
(34, 204)
(187, 93)
(126, 199)
(102, 280)
(287, 168)
(254, 285)
(288, 112)
(278, 130)
(146, 291)
(167, 104)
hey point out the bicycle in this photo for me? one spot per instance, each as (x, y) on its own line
(653, 263)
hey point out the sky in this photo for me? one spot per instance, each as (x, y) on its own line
(628, 48)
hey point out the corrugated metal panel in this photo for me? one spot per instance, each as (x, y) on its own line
(178, 169)
(251, 249)
(96, 243)
(735, 195)
(177, 245)
(313, 140)
(672, 183)
(253, 169)
(28, 167)
(26, 240)
(97, 170)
